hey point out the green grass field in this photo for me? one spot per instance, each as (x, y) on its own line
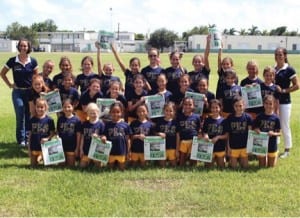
(55, 191)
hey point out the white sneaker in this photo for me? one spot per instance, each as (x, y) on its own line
(22, 144)
(285, 154)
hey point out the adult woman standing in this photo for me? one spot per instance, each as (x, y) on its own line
(23, 67)
(285, 75)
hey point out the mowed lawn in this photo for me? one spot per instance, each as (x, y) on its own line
(55, 191)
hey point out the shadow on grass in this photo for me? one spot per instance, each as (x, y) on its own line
(12, 150)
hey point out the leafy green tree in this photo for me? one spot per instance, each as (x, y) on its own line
(162, 38)
(279, 31)
(16, 31)
(46, 26)
(139, 36)
(201, 30)
(265, 33)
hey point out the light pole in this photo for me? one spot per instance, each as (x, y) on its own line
(111, 19)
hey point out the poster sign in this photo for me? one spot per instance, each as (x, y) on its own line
(154, 148)
(252, 96)
(257, 143)
(53, 152)
(202, 150)
(99, 151)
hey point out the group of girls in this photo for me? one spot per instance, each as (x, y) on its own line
(224, 120)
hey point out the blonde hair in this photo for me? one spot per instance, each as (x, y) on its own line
(42, 101)
(253, 63)
(92, 107)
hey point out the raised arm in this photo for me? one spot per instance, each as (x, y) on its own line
(99, 65)
(120, 62)
(220, 59)
(207, 50)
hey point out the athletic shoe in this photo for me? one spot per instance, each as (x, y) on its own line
(22, 144)
(284, 155)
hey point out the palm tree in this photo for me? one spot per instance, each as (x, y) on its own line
(225, 32)
(242, 32)
(253, 31)
(232, 31)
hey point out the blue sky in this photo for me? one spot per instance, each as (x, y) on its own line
(145, 16)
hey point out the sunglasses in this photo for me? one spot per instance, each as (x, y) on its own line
(152, 56)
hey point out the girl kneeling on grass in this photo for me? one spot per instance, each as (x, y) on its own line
(166, 128)
(68, 129)
(268, 122)
(237, 126)
(41, 129)
(188, 126)
(213, 130)
(141, 128)
(117, 131)
(90, 128)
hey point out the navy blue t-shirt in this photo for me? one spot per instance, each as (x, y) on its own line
(169, 128)
(71, 94)
(227, 96)
(195, 76)
(238, 127)
(188, 126)
(137, 127)
(83, 80)
(85, 98)
(214, 127)
(40, 128)
(87, 130)
(67, 129)
(283, 78)
(173, 76)
(151, 75)
(106, 80)
(117, 133)
(267, 123)
(22, 74)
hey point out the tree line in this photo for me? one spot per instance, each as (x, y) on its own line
(160, 38)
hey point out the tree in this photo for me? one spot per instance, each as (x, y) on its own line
(16, 31)
(162, 38)
(201, 30)
(212, 26)
(253, 31)
(46, 26)
(265, 33)
(292, 33)
(279, 31)
(232, 31)
(225, 32)
(242, 32)
(139, 36)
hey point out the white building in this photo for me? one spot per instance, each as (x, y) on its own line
(8, 45)
(68, 41)
(257, 44)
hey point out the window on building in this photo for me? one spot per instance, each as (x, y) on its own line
(259, 47)
(294, 47)
(229, 46)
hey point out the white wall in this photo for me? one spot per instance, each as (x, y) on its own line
(8, 45)
(197, 42)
